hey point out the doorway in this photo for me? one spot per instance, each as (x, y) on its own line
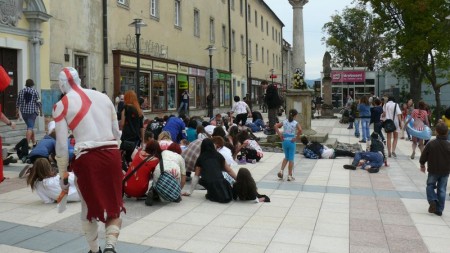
(8, 59)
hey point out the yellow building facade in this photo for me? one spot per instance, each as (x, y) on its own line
(95, 37)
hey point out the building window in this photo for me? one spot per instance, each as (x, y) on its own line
(256, 18)
(273, 60)
(272, 33)
(267, 28)
(196, 23)
(232, 4)
(250, 48)
(262, 24)
(224, 36)
(242, 45)
(233, 41)
(241, 7)
(178, 13)
(249, 14)
(154, 8)
(171, 92)
(257, 51)
(159, 91)
(212, 33)
(262, 54)
(276, 36)
(267, 57)
(81, 65)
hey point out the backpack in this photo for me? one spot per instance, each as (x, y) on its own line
(376, 146)
(315, 147)
(22, 149)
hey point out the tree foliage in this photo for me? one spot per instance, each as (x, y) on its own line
(353, 40)
(419, 36)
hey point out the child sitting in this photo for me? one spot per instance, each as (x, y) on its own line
(245, 188)
(45, 182)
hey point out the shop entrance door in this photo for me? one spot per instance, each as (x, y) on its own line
(8, 59)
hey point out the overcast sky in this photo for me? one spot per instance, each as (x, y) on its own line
(315, 14)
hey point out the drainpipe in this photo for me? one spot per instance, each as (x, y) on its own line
(105, 41)
(229, 37)
(249, 85)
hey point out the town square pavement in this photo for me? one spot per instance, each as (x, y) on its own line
(327, 209)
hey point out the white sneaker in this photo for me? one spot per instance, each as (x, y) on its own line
(291, 178)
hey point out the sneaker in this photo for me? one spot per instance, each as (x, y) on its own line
(99, 251)
(280, 174)
(291, 178)
(349, 167)
(413, 154)
(394, 154)
(362, 141)
(109, 249)
(432, 208)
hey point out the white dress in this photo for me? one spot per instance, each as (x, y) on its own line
(48, 189)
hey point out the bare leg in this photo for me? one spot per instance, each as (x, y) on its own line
(389, 144)
(290, 168)
(414, 145)
(394, 143)
(283, 165)
(421, 146)
(29, 135)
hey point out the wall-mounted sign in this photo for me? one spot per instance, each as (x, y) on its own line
(146, 64)
(172, 68)
(348, 76)
(162, 66)
(193, 71)
(126, 60)
(183, 69)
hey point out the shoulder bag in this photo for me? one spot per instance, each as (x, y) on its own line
(167, 185)
(389, 124)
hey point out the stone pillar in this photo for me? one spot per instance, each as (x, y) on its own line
(301, 101)
(298, 61)
(327, 107)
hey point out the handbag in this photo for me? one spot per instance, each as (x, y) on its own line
(167, 185)
(129, 175)
(389, 124)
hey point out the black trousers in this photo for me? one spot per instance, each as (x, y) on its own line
(343, 153)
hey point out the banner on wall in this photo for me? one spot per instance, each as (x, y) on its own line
(348, 76)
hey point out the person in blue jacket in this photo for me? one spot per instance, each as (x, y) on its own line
(176, 127)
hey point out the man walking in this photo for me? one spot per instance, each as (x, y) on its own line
(29, 105)
(97, 165)
(184, 105)
(273, 102)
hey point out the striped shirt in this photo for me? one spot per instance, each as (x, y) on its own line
(28, 101)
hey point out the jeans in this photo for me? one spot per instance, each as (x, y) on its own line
(183, 105)
(356, 127)
(374, 159)
(439, 183)
(259, 123)
(365, 128)
(377, 129)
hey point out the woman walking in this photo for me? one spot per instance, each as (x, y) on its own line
(364, 114)
(291, 133)
(420, 117)
(391, 110)
(131, 122)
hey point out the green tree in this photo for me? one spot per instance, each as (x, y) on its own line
(420, 40)
(352, 38)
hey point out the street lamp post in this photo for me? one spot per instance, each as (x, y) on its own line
(210, 97)
(137, 23)
(249, 91)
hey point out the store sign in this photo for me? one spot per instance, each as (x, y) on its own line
(183, 69)
(348, 76)
(193, 71)
(146, 64)
(172, 68)
(162, 66)
(128, 61)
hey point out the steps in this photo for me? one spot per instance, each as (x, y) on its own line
(11, 137)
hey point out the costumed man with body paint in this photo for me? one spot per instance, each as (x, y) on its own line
(97, 165)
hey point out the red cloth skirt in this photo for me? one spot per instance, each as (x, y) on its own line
(1, 158)
(99, 178)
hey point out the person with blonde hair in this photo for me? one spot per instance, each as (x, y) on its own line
(45, 182)
(164, 140)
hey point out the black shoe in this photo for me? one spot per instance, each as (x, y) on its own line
(438, 213)
(362, 141)
(149, 199)
(349, 167)
(432, 208)
(99, 251)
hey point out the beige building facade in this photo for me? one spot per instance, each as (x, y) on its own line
(94, 36)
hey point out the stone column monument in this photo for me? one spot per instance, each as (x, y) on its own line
(327, 107)
(298, 47)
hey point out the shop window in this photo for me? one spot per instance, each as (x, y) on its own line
(227, 94)
(171, 92)
(201, 92)
(192, 95)
(81, 63)
(127, 80)
(158, 91)
(222, 92)
(144, 85)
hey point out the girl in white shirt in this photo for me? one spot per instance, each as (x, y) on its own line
(45, 182)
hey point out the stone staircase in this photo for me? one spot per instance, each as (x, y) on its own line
(11, 137)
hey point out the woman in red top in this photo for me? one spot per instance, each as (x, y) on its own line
(138, 184)
(420, 116)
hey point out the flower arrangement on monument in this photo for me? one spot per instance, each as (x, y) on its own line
(298, 82)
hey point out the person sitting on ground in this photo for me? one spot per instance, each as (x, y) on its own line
(138, 184)
(377, 146)
(248, 147)
(164, 140)
(210, 165)
(242, 111)
(245, 187)
(201, 133)
(191, 154)
(176, 127)
(45, 181)
(315, 150)
(370, 161)
(191, 130)
(223, 150)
